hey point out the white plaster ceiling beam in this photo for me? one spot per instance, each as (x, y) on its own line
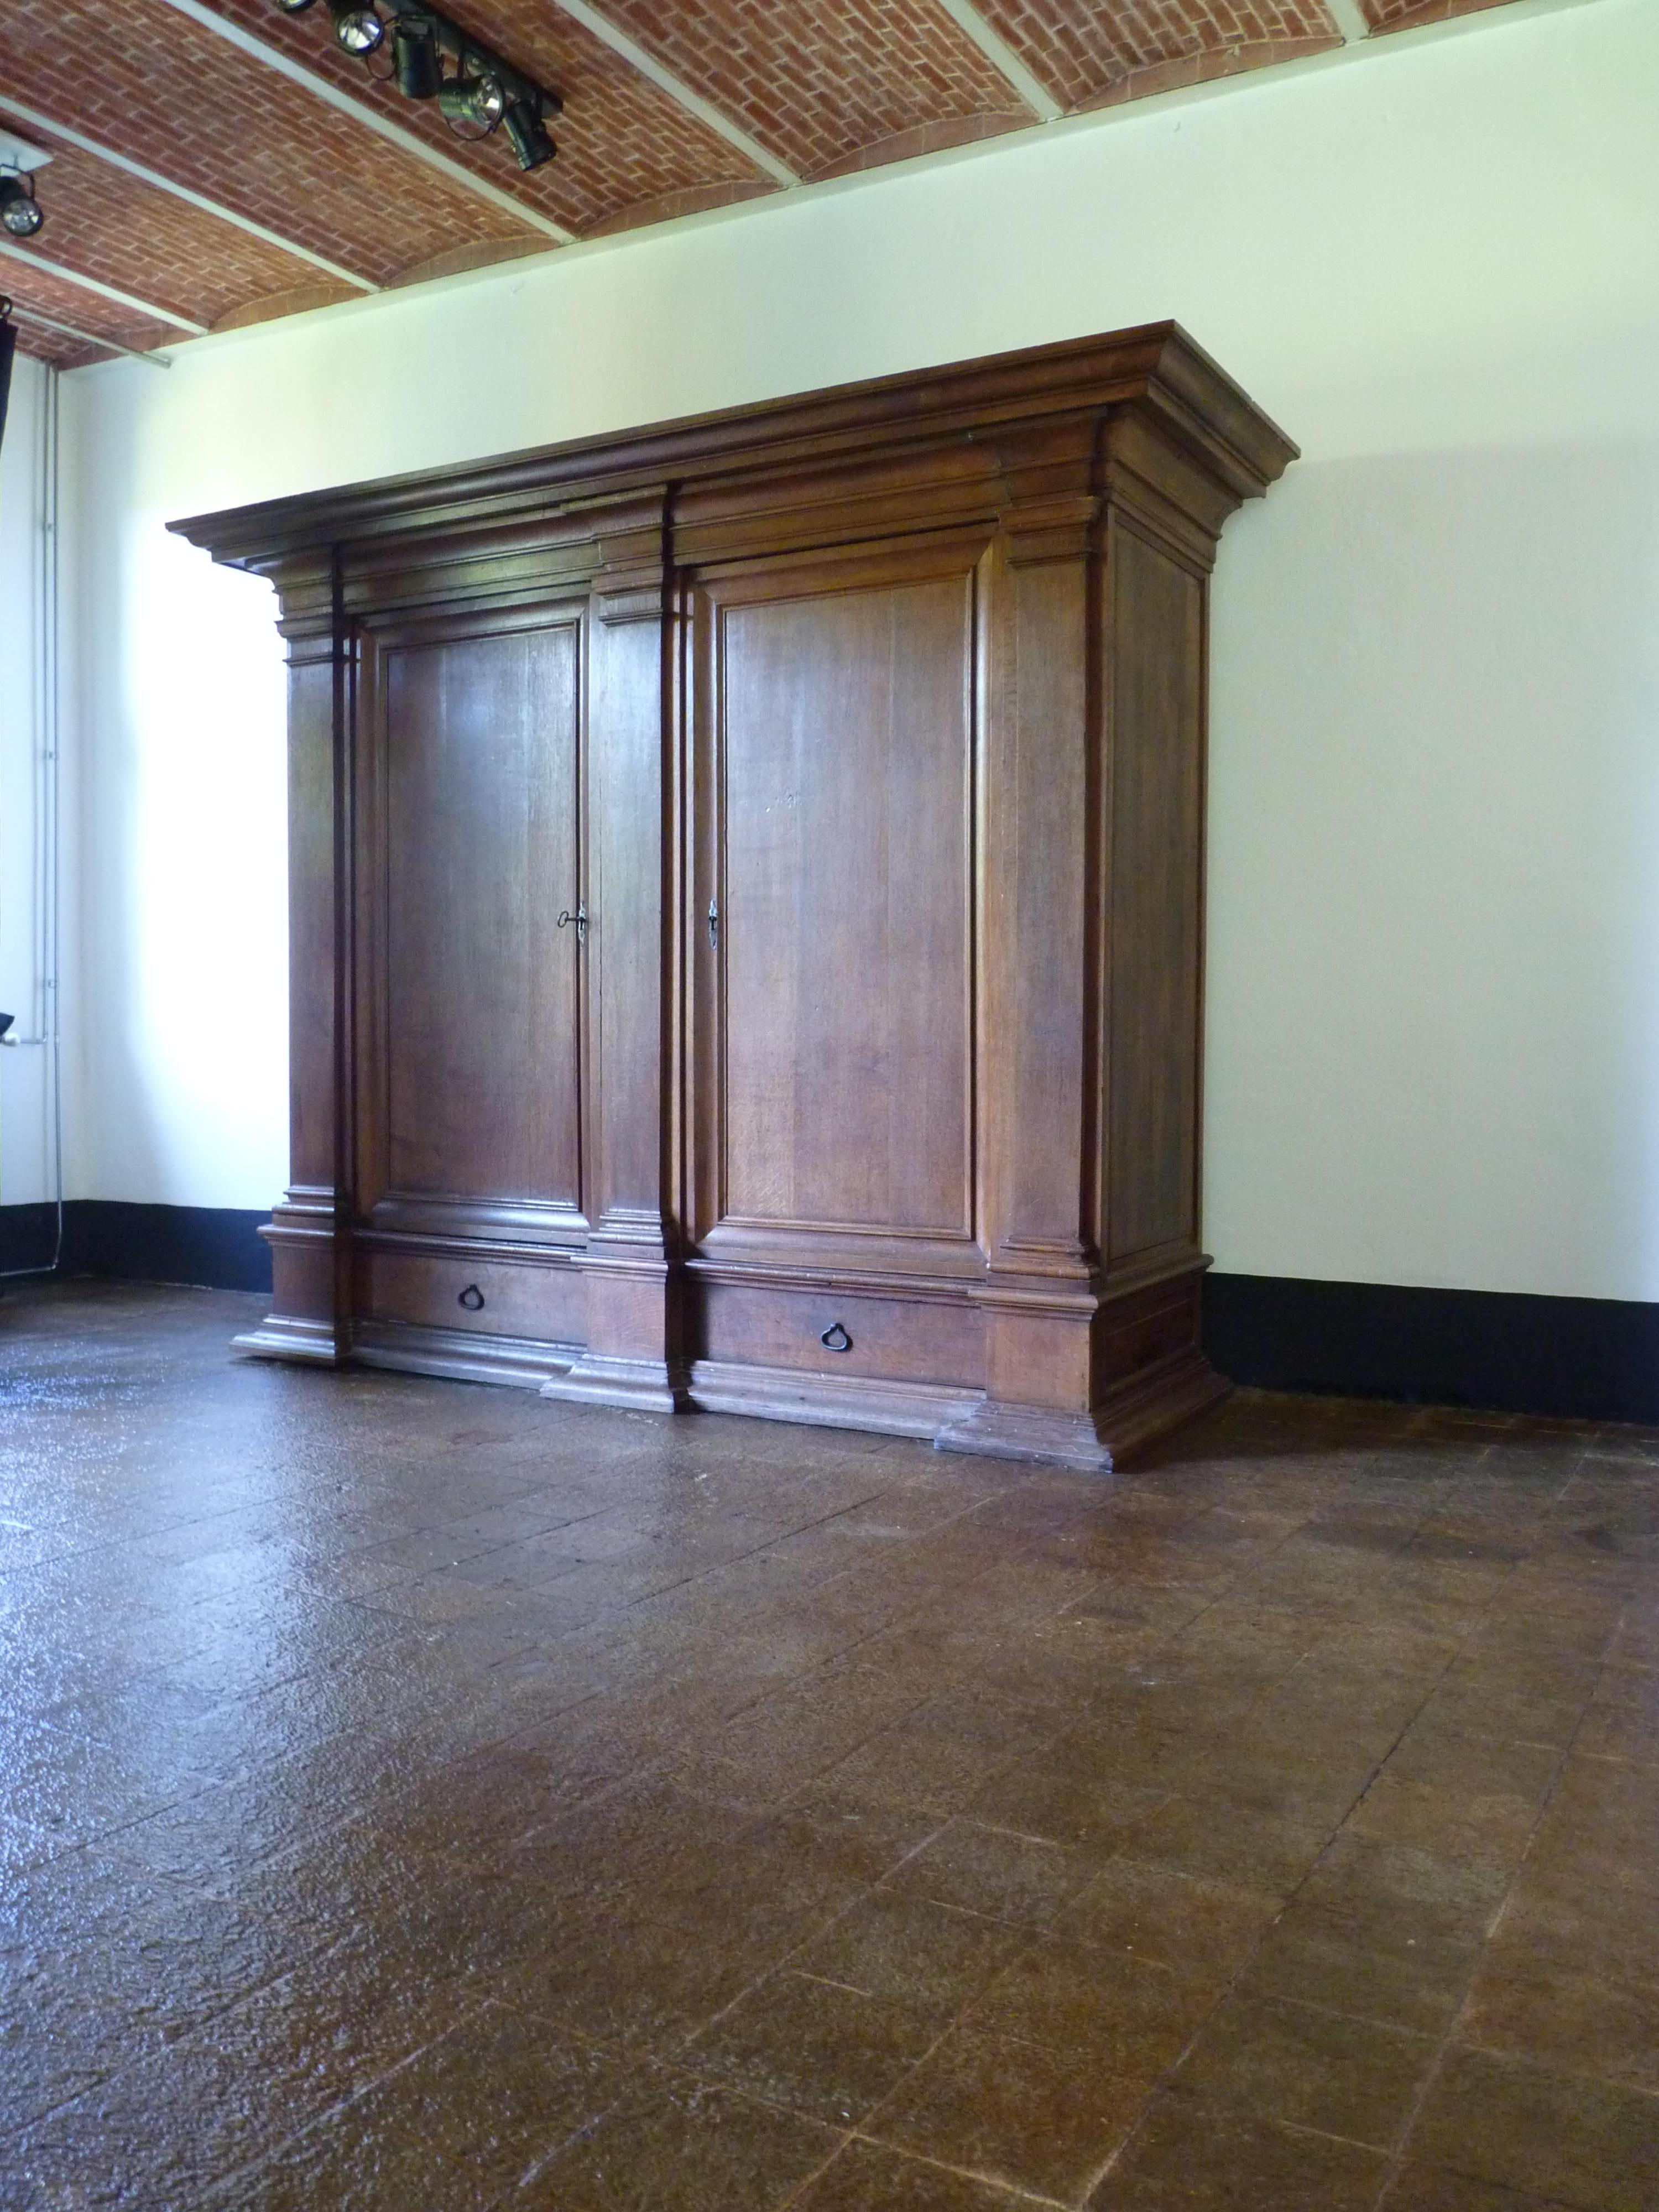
(82, 144)
(88, 337)
(1003, 58)
(1349, 18)
(66, 275)
(666, 81)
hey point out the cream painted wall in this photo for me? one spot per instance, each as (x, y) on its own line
(1434, 909)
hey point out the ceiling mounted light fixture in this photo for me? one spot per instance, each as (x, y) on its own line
(527, 134)
(20, 213)
(433, 57)
(358, 29)
(472, 106)
(415, 47)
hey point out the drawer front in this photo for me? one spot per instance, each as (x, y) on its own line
(544, 1302)
(828, 1332)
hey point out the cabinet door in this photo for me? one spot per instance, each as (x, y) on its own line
(837, 713)
(469, 1002)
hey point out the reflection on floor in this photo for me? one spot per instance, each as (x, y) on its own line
(419, 1795)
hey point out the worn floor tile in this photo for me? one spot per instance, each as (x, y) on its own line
(698, 2146)
(1352, 2078)
(1026, 1880)
(1184, 2158)
(815, 2047)
(1045, 2121)
(867, 2177)
(455, 2126)
(1565, 2137)
(1204, 1930)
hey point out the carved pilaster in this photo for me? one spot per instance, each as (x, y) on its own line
(1039, 1296)
(306, 1320)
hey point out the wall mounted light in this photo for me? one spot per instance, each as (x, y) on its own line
(433, 57)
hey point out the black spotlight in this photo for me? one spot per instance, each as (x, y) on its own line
(414, 49)
(526, 135)
(357, 29)
(473, 105)
(20, 211)
(294, 7)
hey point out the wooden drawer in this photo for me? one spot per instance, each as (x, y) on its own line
(897, 1339)
(539, 1301)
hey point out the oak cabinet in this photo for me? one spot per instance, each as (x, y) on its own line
(746, 903)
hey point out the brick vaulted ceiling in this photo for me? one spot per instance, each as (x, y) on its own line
(211, 159)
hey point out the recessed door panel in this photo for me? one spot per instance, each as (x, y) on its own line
(478, 1004)
(840, 742)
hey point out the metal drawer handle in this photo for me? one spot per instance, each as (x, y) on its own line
(472, 1298)
(835, 1338)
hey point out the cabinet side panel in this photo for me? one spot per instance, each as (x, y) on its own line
(846, 724)
(480, 986)
(1156, 694)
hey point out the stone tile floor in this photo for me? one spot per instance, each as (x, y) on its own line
(419, 1795)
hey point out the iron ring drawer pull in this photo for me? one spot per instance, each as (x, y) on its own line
(472, 1298)
(835, 1338)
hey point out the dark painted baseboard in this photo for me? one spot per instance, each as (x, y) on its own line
(29, 1237)
(1597, 1359)
(215, 1247)
(1594, 1358)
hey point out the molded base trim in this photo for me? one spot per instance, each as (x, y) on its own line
(636, 1386)
(284, 1336)
(831, 1401)
(1508, 1351)
(458, 1354)
(1146, 1408)
(995, 1429)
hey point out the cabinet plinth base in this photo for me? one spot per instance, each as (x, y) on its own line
(636, 1386)
(284, 1336)
(996, 1431)
(781, 1394)
(1094, 1442)
(460, 1356)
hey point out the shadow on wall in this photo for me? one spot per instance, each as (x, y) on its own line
(1434, 1039)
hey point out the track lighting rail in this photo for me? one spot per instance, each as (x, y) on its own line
(432, 57)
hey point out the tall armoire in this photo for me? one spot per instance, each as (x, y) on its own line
(746, 903)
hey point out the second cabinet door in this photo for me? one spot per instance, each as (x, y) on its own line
(837, 718)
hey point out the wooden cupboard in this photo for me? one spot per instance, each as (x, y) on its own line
(746, 884)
